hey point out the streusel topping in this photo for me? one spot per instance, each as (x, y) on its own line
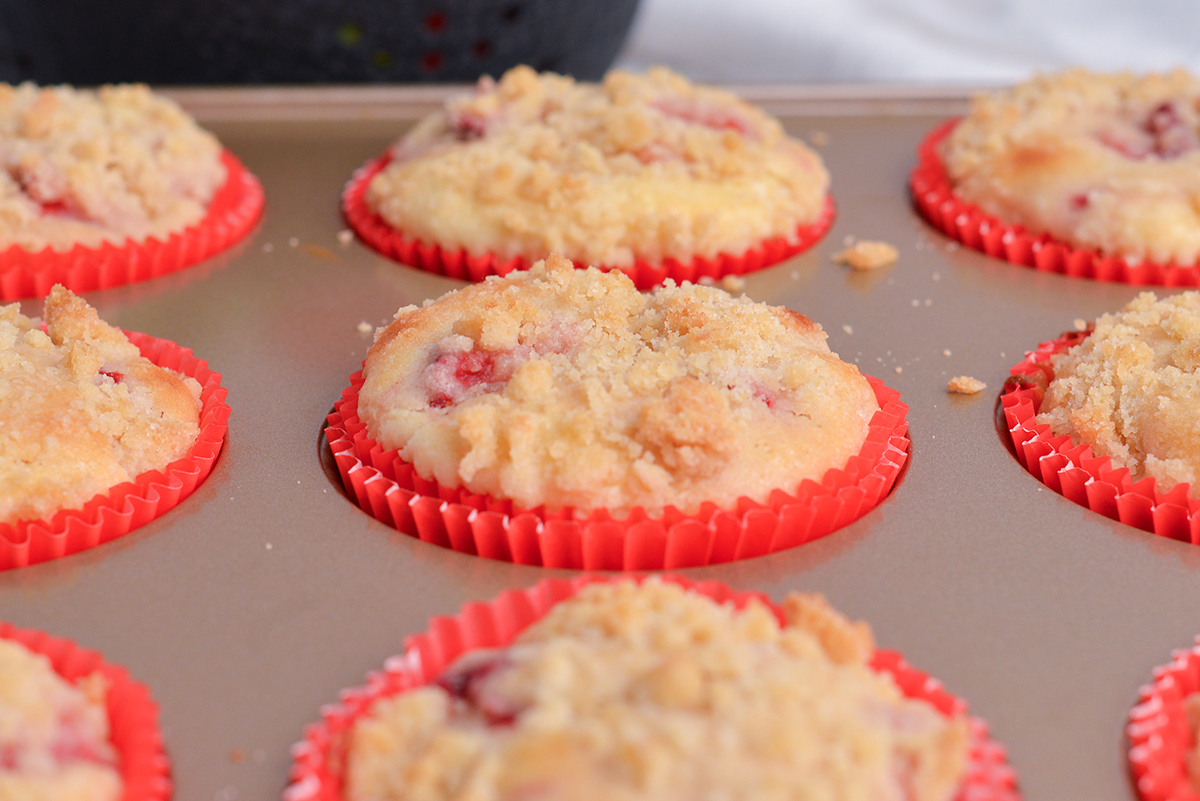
(54, 742)
(1104, 161)
(653, 692)
(1132, 389)
(81, 410)
(83, 167)
(569, 388)
(636, 167)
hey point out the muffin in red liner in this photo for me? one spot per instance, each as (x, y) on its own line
(649, 174)
(231, 215)
(126, 506)
(132, 713)
(1071, 469)
(318, 770)
(966, 223)
(458, 263)
(1162, 731)
(388, 488)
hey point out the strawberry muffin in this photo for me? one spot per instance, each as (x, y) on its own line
(637, 169)
(1131, 390)
(1103, 162)
(82, 410)
(54, 735)
(569, 389)
(629, 691)
(84, 167)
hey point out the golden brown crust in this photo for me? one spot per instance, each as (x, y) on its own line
(636, 167)
(1132, 390)
(1105, 161)
(82, 410)
(83, 167)
(568, 388)
(653, 692)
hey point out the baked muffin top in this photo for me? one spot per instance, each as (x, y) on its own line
(1101, 161)
(569, 388)
(84, 167)
(635, 167)
(53, 734)
(81, 410)
(1132, 391)
(654, 692)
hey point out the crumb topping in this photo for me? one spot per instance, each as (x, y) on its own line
(1105, 161)
(635, 167)
(1132, 391)
(965, 385)
(654, 692)
(569, 388)
(83, 167)
(54, 742)
(82, 410)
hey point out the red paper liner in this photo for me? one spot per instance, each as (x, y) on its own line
(1071, 469)
(231, 215)
(132, 713)
(1158, 730)
(959, 220)
(126, 506)
(389, 489)
(317, 769)
(382, 237)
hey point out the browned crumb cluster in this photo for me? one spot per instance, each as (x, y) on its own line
(867, 255)
(965, 385)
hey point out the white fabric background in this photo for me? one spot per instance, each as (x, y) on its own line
(967, 42)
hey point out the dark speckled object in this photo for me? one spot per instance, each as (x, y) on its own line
(305, 41)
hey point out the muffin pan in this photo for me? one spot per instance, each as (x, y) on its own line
(267, 591)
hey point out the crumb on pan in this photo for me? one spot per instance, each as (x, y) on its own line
(818, 138)
(365, 328)
(965, 385)
(867, 255)
(345, 237)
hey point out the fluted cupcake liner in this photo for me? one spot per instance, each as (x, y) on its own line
(132, 713)
(318, 759)
(126, 506)
(1158, 731)
(1071, 469)
(231, 215)
(966, 223)
(388, 488)
(458, 263)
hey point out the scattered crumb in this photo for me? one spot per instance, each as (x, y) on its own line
(237, 755)
(365, 328)
(1080, 324)
(733, 283)
(818, 138)
(259, 755)
(268, 247)
(294, 242)
(928, 301)
(320, 252)
(951, 246)
(936, 276)
(847, 329)
(867, 255)
(847, 241)
(345, 237)
(965, 385)
(269, 546)
(916, 303)
(795, 275)
(899, 370)
(946, 353)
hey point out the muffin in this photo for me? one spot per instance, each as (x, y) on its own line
(647, 689)
(1107, 166)
(74, 727)
(54, 735)
(83, 410)
(648, 174)
(1131, 390)
(565, 388)
(119, 174)
(102, 431)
